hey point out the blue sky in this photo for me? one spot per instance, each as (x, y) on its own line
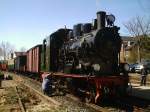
(25, 23)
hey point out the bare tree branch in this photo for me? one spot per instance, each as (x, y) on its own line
(6, 49)
(138, 27)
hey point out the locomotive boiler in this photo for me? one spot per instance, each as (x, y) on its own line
(92, 49)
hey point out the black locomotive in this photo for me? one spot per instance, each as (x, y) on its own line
(91, 49)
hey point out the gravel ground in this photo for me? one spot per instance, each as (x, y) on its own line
(136, 78)
(32, 103)
(9, 100)
(69, 105)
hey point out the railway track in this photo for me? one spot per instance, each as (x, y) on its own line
(15, 97)
(19, 101)
(72, 103)
(68, 102)
(8, 104)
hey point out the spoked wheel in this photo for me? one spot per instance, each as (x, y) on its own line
(90, 96)
(60, 87)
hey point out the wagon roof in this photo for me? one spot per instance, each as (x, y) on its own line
(34, 47)
(20, 53)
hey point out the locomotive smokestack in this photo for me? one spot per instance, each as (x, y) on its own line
(101, 19)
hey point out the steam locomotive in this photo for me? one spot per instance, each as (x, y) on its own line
(87, 49)
(89, 58)
(86, 59)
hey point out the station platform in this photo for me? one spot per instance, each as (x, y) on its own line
(142, 92)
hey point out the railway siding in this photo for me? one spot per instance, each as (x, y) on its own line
(19, 100)
(15, 97)
(66, 104)
(35, 88)
(8, 100)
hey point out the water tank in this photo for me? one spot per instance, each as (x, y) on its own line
(77, 30)
(87, 27)
(101, 17)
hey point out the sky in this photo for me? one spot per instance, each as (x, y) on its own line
(25, 23)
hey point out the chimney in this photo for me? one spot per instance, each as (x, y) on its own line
(101, 19)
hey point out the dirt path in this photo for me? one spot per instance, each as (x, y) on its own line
(9, 100)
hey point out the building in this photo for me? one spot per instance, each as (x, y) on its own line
(130, 48)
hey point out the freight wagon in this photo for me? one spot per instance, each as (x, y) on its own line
(3, 65)
(34, 59)
(20, 63)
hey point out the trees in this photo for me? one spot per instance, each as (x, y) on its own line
(6, 49)
(23, 49)
(145, 47)
(139, 28)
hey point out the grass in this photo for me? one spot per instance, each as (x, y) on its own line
(11, 97)
(1, 75)
(8, 98)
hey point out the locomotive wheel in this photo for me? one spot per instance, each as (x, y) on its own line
(89, 97)
(60, 87)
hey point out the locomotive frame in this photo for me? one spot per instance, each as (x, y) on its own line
(94, 88)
